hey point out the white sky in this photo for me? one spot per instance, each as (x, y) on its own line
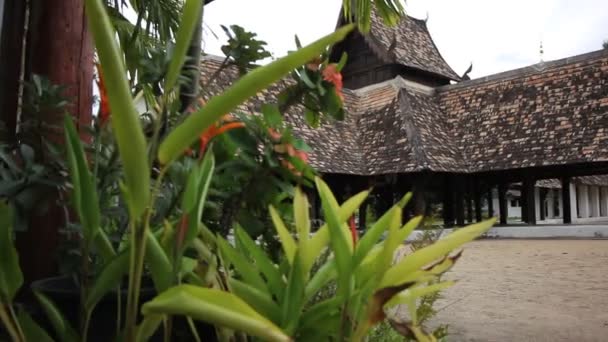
(495, 35)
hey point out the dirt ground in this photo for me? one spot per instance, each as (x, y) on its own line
(528, 290)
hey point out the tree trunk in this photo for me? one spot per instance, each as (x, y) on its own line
(60, 49)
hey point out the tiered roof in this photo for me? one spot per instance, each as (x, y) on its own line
(409, 44)
(552, 113)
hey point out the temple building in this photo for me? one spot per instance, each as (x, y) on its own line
(535, 137)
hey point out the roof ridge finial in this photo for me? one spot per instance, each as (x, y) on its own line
(542, 51)
(427, 16)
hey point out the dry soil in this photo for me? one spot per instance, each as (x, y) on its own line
(528, 290)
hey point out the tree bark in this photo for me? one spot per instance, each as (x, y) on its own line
(60, 49)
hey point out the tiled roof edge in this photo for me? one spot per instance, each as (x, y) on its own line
(535, 68)
(398, 83)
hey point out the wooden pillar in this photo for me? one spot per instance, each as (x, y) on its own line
(459, 197)
(529, 209)
(448, 201)
(477, 200)
(469, 200)
(542, 193)
(523, 202)
(503, 210)
(566, 208)
(490, 203)
(419, 192)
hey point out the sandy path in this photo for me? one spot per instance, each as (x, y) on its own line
(529, 290)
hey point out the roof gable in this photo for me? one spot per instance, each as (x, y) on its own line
(409, 44)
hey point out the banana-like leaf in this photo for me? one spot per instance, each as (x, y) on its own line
(324, 274)
(258, 300)
(108, 279)
(126, 124)
(412, 331)
(320, 312)
(159, 263)
(302, 222)
(11, 277)
(84, 192)
(339, 240)
(437, 250)
(372, 235)
(321, 238)
(244, 268)
(216, 307)
(31, 329)
(61, 326)
(191, 12)
(249, 85)
(147, 328)
(293, 300)
(287, 241)
(205, 173)
(410, 295)
(273, 276)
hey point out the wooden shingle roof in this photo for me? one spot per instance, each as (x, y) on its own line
(550, 114)
(409, 44)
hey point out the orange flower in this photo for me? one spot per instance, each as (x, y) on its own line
(333, 76)
(104, 103)
(215, 130)
(353, 229)
(314, 64)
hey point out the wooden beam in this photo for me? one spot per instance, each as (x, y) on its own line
(566, 208)
(503, 210)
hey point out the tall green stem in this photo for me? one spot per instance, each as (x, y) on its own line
(137, 256)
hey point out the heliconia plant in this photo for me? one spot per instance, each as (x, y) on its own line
(239, 289)
(279, 296)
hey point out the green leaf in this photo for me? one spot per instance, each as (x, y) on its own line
(125, 119)
(324, 274)
(338, 240)
(244, 268)
(147, 328)
(11, 277)
(62, 327)
(31, 329)
(249, 85)
(272, 115)
(430, 253)
(372, 235)
(273, 276)
(191, 12)
(321, 238)
(258, 300)
(287, 241)
(342, 61)
(159, 263)
(108, 279)
(411, 294)
(293, 301)
(85, 193)
(302, 221)
(216, 307)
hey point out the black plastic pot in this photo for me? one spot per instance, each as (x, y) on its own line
(64, 291)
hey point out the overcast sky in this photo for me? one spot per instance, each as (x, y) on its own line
(495, 35)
